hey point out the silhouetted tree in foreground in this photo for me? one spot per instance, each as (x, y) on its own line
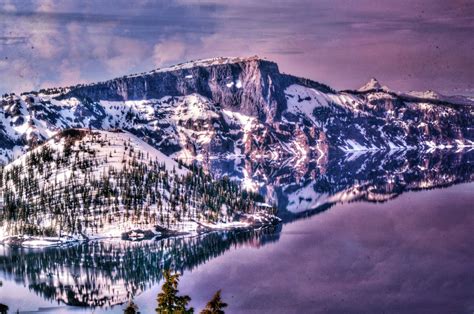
(3, 309)
(215, 306)
(169, 302)
(131, 308)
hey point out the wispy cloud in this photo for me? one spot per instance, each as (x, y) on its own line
(168, 51)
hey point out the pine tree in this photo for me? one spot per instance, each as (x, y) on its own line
(168, 300)
(215, 306)
(131, 308)
(3, 308)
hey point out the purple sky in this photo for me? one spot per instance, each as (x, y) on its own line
(406, 44)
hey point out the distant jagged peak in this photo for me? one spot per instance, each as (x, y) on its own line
(430, 94)
(434, 95)
(372, 84)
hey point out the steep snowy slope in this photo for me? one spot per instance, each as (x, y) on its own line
(97, 183)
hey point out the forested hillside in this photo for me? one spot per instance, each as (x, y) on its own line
(84, 183)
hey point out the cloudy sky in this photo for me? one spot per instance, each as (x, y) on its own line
(406, 44)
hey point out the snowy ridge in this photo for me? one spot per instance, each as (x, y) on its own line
(116, 151)
(203, 63)
(430, 94)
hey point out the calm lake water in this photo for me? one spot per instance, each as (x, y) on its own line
(384, 237)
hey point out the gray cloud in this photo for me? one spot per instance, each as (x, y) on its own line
(13, 40)
(421, 45)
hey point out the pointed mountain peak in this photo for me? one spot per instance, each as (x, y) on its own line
(373, 84)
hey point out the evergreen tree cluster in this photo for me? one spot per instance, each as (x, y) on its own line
(90, 182)
(169, 302)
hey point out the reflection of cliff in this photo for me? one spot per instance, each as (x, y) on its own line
(372, 178)
(101, 274)
(361, 176)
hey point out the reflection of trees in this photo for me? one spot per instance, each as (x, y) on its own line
(108, 273)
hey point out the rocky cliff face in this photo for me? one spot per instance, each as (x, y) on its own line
(238, 108)
(251, 86)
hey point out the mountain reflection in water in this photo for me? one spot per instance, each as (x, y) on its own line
(360, 176)
(102, 274)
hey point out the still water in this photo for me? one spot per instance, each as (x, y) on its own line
(392, 236)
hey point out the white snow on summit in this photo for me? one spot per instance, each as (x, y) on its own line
(373, 84)
(201, 63)
(430, 94)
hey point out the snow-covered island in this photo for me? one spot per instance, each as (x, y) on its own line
(83, 184)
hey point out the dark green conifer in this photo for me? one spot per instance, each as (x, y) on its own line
(215, 305)
(131, 308)
(168, 300)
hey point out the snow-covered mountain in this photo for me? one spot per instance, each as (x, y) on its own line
(228, 107)
(206, 111)
(373, 85)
